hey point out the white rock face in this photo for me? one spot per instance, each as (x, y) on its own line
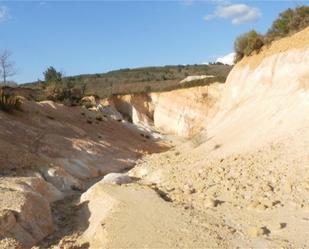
(139, 107)
(196, 77)
(269, 97)
(116, 178)
(181, 112)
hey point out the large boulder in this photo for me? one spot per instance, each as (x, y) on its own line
(25, 215)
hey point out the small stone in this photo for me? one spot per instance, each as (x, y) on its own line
(277, 226)
(277, 203)
(267, 188)
(253, 204)
(261, 207)
(210, 203)
(188, 189)
(258, 231)
(99, 117)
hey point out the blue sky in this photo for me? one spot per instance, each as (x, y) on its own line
(97, 36)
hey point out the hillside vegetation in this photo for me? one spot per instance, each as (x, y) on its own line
(126, 81)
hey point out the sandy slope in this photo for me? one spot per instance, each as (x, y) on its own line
(134, 216)
(47, 152)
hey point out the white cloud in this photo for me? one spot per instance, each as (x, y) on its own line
(4, 13)
(238, 13)
(227, 59)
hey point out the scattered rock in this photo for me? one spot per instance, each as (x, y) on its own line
(258, 231)
(189, 189)
(211, 203)
(253, 204)
(99, 117)
(277, 226)
(50, 117)
(267, 188)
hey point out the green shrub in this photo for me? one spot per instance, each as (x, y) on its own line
(247, 43)
(289, 22)
(52, 76)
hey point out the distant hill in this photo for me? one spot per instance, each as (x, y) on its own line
(144, 79)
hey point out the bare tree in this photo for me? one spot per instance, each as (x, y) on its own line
(7, 67)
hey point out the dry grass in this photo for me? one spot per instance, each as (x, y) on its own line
(9, 101)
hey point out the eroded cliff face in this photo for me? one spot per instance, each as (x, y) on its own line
(266, 96)
(258, 94)
(181, 112)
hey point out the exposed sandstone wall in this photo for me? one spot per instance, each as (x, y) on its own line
(266, 97)
(180, 112)
(138, 107)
